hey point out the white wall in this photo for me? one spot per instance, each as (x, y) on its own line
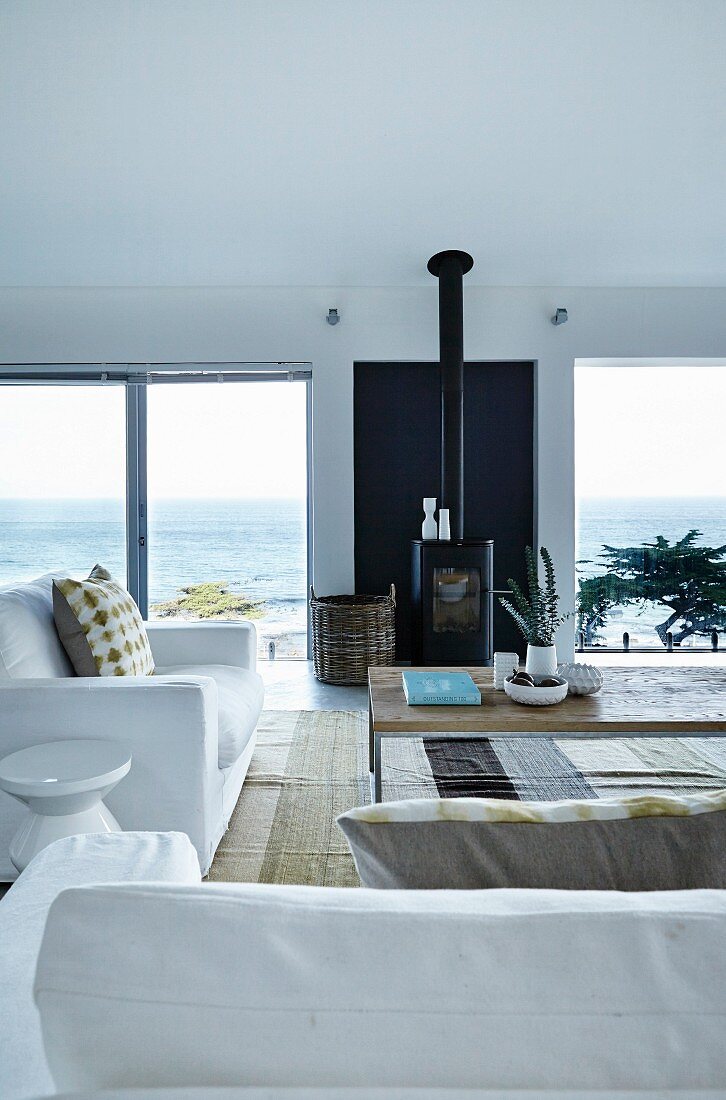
(197, 324)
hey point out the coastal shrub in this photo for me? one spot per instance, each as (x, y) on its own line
(210, 600)
(687, 579)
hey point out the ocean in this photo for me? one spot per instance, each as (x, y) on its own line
(259, 547)
(255, 546)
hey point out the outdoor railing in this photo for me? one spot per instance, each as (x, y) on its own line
(583, 647)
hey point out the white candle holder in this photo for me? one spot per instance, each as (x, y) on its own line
(504, 665)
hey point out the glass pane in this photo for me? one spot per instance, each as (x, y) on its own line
(651, 511)
(227, 477)
(457, 603)
(62, 480)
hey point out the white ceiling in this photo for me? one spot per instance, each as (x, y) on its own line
(341, 142)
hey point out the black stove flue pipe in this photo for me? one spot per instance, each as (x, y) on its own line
(450, 267)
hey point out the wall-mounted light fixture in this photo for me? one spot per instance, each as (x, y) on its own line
(333, 317)
(560, 316)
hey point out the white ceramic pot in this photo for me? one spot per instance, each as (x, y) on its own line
(541, 660)
(582, 679)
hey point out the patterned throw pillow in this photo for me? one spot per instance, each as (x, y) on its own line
(100, 627)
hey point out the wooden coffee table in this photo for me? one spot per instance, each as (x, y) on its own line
(633, 702)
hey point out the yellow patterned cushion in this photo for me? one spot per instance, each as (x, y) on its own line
(528, 813)
(100, 626)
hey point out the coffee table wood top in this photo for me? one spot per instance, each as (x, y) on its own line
(677, 701)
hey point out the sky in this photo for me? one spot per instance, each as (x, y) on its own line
(650, 431)
(640, 431)
(205, 440)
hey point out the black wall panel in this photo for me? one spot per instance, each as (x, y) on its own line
(397, 414)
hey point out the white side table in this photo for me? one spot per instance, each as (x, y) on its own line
(63, 784)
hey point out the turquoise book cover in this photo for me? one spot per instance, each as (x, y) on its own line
(440, 689)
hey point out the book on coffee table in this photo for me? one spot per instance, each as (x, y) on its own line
(440, 689)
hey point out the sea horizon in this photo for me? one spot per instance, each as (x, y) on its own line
(258, 546)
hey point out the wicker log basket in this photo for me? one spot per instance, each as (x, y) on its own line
(351, 633)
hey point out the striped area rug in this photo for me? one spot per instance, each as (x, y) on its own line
(310, 766)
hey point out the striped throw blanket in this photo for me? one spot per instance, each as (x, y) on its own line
(546, 769)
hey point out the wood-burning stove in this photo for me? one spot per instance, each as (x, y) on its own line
(451, 595)
(452, 580)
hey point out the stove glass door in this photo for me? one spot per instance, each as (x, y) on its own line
(457, 600)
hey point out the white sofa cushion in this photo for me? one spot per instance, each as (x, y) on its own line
(267, 985)
(115, 857)
(29, 642)
(241, 694)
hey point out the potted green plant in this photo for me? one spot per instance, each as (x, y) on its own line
(538, 617)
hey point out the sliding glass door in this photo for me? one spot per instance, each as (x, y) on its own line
(651, 507)
(62, 479)
(227, 506)
(196, 492)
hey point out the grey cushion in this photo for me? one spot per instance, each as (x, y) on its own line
(669, 851)
(72, 636)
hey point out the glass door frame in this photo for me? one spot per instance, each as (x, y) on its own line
(136, 378)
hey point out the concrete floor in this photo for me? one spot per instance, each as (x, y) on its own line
(291, 685)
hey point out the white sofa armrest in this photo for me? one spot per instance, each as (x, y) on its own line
(204, 643)
(170, 723)
(73, 861)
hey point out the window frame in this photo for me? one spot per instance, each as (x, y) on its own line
(582, 364)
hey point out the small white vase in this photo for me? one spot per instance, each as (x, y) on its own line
(541, 660)
(444, 528)
(429, 529)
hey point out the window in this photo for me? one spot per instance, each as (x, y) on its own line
(62, 480)
(651, 511)
(196, 492)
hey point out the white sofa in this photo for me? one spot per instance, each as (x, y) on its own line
(191, 727)
(328, 990)
(274, 993)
